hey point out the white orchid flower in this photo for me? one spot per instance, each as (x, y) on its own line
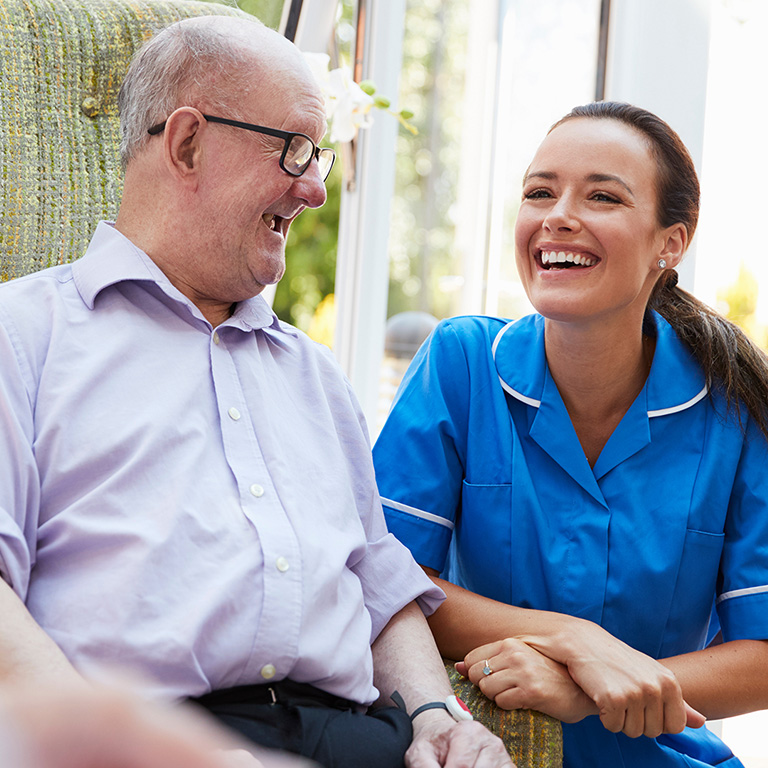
(347, 106)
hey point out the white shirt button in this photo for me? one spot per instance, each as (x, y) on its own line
(268, 671)
(216, 338)
(257, 490)
(234, 414)
(282, 564)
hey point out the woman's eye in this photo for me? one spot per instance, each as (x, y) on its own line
(604, 197)
(537, 194)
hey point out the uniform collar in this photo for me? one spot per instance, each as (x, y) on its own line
(112, 258)
(675, 382)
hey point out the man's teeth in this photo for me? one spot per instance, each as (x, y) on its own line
(559, 257)
(270, 220)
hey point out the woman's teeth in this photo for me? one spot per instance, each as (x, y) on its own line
(550, 258)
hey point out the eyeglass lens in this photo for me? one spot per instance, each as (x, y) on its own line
(300, 153)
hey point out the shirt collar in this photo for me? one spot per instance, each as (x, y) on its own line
(112, 258)
(675, 382)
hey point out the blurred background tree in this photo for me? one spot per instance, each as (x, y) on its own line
(738, 302)
(424, 264)
(267, 11)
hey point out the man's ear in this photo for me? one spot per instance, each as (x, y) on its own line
(674, 244)
(182, 143)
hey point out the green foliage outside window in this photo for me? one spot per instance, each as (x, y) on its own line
(268, 11)
(423, 255)
(738, 302)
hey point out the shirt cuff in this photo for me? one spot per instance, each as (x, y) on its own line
(391, 579)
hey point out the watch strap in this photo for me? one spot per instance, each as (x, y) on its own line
(455, 707)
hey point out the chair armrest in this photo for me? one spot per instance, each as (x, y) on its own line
(533, 739)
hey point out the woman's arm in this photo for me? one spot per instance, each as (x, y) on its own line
(724, 680)
(720, 681)
(630, 691)
(467, 620)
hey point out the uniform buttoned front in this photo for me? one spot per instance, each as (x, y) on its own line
(483, 477)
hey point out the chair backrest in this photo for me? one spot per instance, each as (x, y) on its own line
(61, 65)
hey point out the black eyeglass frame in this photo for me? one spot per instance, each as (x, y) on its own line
(286, 136)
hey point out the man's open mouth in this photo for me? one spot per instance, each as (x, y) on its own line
(275, 223)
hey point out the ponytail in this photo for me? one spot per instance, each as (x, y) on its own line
(732, 363)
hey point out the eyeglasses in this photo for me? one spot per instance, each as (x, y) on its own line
(298, 149)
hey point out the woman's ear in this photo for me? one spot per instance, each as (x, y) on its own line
(674, 244)
(182, 143)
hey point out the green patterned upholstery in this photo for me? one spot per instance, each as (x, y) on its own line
(533, 740)
(61, 64)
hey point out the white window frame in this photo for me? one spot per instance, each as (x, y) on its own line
(657, 58)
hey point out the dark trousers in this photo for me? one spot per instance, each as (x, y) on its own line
(304, 720)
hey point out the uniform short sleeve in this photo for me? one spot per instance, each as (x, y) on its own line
(420, 453)
(742, 602)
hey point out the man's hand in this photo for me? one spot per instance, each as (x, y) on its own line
(439, 741)
(523, 678)
(79, 726)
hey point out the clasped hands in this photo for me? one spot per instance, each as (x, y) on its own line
(591, 673)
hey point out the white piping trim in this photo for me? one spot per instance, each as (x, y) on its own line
(681, 407)
(523, 398)
(418, 513)
(506, 387)
(498, 338)
(742, 592)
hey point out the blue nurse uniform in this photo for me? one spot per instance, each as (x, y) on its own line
(483, 477)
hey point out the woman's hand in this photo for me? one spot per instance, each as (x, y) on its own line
(634, 693)
(523, 678)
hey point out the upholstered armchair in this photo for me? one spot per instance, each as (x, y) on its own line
(61, 64)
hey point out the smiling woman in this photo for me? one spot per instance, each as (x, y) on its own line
(589, 480)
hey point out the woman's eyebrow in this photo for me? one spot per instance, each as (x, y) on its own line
(598, 177)
(539, 175)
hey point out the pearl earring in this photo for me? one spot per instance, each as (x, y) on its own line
(662, 263)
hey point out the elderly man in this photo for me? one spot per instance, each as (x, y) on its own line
(186, 489)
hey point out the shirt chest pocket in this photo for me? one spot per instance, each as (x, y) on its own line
(693, 592)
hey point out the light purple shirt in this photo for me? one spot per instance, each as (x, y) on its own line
(195, 506)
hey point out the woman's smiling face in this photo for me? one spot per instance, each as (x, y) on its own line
(587, 235)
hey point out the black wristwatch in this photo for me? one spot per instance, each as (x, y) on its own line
(455, 707)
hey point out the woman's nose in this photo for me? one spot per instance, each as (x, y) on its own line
(562, 216)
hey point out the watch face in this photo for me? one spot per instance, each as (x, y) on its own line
(462, 705)
(458, 709)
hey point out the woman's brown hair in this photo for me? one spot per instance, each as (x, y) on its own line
(731, 362)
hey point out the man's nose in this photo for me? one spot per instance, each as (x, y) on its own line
(310, 187)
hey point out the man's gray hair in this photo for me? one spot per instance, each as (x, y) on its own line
(190, 63)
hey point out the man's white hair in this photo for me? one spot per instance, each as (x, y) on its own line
(194, 62)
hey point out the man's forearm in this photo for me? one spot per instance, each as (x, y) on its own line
(26, 652)
(406, 659)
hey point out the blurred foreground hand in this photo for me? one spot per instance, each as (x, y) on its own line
(85, 727)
